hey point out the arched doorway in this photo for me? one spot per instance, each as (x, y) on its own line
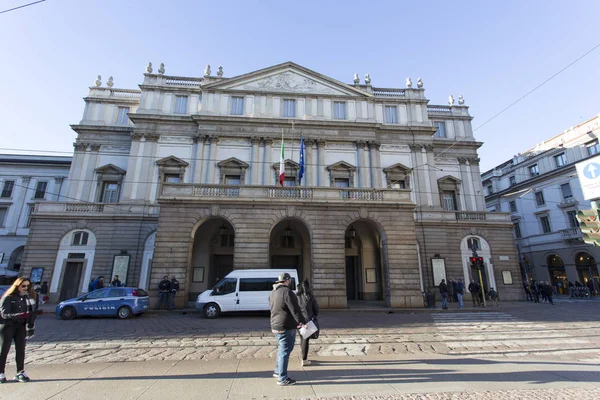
(212, 255)
(289, 247)
(147, 261)
(557, 272)
(586, 267)
(365, 277)
(14, 262)
(481, 246)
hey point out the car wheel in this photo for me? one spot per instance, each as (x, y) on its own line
(68, 313)
(124, 312)
(212, 310)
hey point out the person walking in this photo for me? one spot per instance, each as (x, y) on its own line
(310, 311)
(527, 291)
(494, 296)
(547, 292)
(286, 316)
(444, 292)
(451, 286)
(460, 289)
(115, 282)
(18, 309)
(535, 292)
(164, 289)
(173, 292)
(44, 292)
(474, 289)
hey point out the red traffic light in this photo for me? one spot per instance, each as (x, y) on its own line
(473, 260)
(480, 259)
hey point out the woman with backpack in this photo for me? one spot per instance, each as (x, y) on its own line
(310, 311)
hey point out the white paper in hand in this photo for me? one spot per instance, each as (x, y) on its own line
(307, 330)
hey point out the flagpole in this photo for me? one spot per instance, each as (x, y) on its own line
(293, 137)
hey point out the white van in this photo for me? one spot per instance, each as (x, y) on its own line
(242, 290)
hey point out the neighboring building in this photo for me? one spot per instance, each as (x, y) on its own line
(24, 181)
(541, 190)
(181, 178)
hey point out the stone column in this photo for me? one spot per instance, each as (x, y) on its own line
(20, 197)
(134, 163)
(375, 157)
(416, 180)
(214, 143)
(475, 184)
(267, 165)
(255, 167)
(465, 198)
(80, 178)
(363, 164)
(321, 177)
(431, 172)
(198, 158)
(309, 163)
(426, 174)
(147, 190)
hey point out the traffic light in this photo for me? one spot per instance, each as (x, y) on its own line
(589, 223)
(476, 262)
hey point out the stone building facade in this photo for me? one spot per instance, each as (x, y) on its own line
(181, 178)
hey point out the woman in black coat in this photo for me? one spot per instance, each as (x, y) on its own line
(18, 309)
(310, 311)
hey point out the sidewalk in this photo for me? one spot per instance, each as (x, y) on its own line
(348, 377)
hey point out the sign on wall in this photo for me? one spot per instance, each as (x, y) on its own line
(121, 267)
(438, 265)
(588, 172)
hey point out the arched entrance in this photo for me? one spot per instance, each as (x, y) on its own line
(14, 262)
(481, 246)
(212, 255)
(586, 267)
(289, 247)
(365, 277)
(557, 272)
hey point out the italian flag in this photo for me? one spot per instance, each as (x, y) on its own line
(282, 162)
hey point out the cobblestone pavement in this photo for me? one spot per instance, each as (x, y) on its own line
(535, 394)
(567, 330)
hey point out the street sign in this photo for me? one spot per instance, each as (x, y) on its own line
(588, 172)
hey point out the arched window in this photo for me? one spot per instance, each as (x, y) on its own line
(80, 238)
(473, 244)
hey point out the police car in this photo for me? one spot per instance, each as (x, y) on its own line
(122, 302)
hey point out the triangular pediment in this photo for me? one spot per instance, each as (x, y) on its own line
(232, 163)
(398, 167)
(449, 179)
(171, 161)
(287, 78)
(289, 164)
(341, 165)
(110, 169)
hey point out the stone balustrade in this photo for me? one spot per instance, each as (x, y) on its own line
(462, 216)
(90, 209)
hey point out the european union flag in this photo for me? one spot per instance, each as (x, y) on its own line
(301, 171)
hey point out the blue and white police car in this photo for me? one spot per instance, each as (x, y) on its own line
(122, 302)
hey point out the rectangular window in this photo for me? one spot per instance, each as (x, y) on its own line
(233, 180)
(512, 180)
(513, 206)
(289, 108)
(237, 106)
(122, 118)
(257, 284)
(40, 190)
(289, 181)
(534, 170)
(490, 189)
(110, 192)
(29, 215)
(398, 185)
(117, 292)
(181, 103)
(341, 183)
(572, 217)
(7, 189)
(391, 114)
(517, 230)
(449, 200)
(3, 212)
(592, 147)
(565, 188)
(339, 110)
(545, 221)
(172, 178)
(441, 129)
(539, 199)
(560, 159)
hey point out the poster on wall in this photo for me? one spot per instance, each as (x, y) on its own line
(120, 267)
(438, 265)
(507, 277)
(36, 274)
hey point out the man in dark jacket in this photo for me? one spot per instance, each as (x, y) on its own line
(99, 283)
(474, 288)
(460, 289)
(444, 292)
(164, 288)
(547, 292)
(286, 316)
(173, 293)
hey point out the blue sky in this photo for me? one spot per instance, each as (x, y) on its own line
(491, 52)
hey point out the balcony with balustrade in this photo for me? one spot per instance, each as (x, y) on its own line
(571, 236)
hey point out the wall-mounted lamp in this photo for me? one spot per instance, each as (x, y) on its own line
(352, 231)
(287, 231)
(222, 229)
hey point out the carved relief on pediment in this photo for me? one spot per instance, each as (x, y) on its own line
(289, 82)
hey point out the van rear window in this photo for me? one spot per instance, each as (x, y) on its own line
(257, 284)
